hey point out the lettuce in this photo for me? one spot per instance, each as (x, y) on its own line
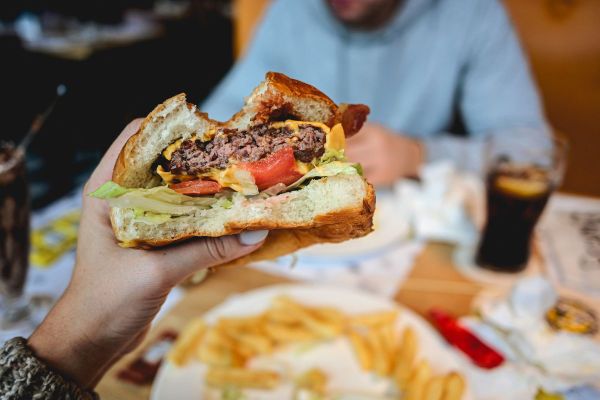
(157, 200)
(329, 169)
(109, 190)
(331, 155)
(223, 202)
(159, 204)
(150, 218)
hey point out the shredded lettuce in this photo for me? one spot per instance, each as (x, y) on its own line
(157, 200)
(150, 218)
(223, 202)
(159, 204)
(109, 190)
(331, 155)
(329, 169)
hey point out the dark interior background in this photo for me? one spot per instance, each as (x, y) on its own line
(107, 89)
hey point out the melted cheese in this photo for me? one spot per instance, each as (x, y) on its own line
(295, 125)
(169, 177)
(303, 167)
(168, 152)
(334, 139)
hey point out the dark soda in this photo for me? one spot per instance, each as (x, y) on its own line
(515, 201)
(14, 223)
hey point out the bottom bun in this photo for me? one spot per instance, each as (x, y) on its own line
(330, 209)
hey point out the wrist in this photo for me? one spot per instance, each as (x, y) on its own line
(63, 343)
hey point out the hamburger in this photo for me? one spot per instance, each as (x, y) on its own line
(278, 164)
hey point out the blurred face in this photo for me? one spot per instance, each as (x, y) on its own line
(363, 13)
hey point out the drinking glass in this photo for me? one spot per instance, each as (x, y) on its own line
(523, 168)
(14, 243)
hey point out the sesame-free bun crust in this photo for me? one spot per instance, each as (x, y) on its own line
(330, 209)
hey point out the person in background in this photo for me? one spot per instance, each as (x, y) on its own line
(106, 310)
(421, 65)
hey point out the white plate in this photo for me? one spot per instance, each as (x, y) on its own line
(390, 227)
(334, 357)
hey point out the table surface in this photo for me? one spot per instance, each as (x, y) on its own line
(433, 281)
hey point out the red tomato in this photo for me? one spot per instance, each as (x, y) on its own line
(279, 167)
(196, 187)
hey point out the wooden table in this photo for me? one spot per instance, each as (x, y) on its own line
(433, 281)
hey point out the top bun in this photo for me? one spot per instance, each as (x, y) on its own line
(277, 98)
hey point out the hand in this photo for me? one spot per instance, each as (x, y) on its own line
(115, 292)
(384, 155)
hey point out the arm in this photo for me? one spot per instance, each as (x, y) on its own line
(111, 300)
(497, 93)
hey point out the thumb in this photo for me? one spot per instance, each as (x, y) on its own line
(195, 255)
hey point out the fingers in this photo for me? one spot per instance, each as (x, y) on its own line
(361, 138)
(180, 261)
(364, 155)
(103, 171)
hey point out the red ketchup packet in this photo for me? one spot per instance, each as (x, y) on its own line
(460, 337)
(143, 369)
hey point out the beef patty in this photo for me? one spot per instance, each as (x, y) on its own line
(195, 156)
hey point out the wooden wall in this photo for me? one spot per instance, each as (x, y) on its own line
(562, 38)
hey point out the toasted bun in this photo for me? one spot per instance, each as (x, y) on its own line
(277, 97)
(334, 209)
(326, 210)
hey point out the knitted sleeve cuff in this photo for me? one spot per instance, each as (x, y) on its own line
(23, 376)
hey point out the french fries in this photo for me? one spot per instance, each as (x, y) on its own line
(242, 378)
(380, 357)
(454, 386)
(221, 356)
(322, 328)
(405, 357)
(418, 379)
(362, 350)
(255, 343)
(373, 319)
(434, 389)
(186, 345)
(284, 334)
(230, 342)
(314, 380)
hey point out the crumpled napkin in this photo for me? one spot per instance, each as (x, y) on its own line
(515, 324)
(443, 205)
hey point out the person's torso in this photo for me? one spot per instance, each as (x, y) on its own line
(409, 76)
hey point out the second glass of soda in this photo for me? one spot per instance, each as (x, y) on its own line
(520, 177)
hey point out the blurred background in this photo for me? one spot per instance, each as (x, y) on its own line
(121, 58)
(445, 82)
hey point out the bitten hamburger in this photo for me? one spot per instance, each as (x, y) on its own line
(278, 164)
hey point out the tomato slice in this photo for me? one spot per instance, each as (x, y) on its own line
(279, 167)
(196, 187)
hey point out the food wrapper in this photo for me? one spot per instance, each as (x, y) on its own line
(51, 241)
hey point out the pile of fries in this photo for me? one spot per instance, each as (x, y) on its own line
(378, 349)
(226, 346)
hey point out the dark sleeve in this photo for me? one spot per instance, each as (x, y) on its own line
(23, 376)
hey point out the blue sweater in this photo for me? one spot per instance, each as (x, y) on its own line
(433, 59)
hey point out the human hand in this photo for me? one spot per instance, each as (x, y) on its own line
(114, 292)
(384, 155)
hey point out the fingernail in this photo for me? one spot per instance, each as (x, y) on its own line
(250, 238)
